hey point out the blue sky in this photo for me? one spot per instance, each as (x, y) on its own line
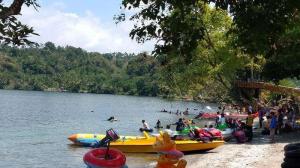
(87, 24)
(106, 9)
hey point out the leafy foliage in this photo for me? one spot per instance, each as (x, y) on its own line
(259, 24)
(200, 47)
(12, 31)
(284, 61)
(214, 64)
(175, 24)
(178, 24)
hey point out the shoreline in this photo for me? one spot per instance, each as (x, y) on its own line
(259, 153)
(165, 97)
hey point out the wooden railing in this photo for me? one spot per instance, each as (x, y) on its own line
(268, 86)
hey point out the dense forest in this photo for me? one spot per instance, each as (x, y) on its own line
(54, 68)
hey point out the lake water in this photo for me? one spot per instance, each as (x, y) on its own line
(34, 126)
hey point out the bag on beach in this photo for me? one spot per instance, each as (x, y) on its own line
(240, 136)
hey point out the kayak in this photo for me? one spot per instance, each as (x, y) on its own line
(207, 116)
(144, 144)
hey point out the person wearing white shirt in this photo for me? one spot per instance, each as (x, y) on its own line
(169, 131)
(145, 125)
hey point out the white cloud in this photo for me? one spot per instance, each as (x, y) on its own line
(87, 32)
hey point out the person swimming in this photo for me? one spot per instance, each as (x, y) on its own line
(112, 118)
(199, 115)
(186, 112)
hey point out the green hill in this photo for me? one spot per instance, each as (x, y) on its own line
(55, 68)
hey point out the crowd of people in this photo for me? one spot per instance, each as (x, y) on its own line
(180, 124)
(278, 118)
(186, 129)
(273, 118)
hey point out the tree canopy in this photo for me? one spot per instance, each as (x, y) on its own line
(206, 43)
(177, 24)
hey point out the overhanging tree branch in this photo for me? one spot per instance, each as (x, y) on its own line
(12, 31)
(13, 9)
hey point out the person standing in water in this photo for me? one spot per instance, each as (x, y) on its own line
(179, 125)
(186, 112)
(158, 125)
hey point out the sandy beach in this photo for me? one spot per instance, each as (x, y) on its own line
(259, 153)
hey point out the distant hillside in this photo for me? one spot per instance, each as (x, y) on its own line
(55, 68)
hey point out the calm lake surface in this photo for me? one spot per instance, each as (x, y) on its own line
(34, 126)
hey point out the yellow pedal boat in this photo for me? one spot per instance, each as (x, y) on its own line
(143, 144)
